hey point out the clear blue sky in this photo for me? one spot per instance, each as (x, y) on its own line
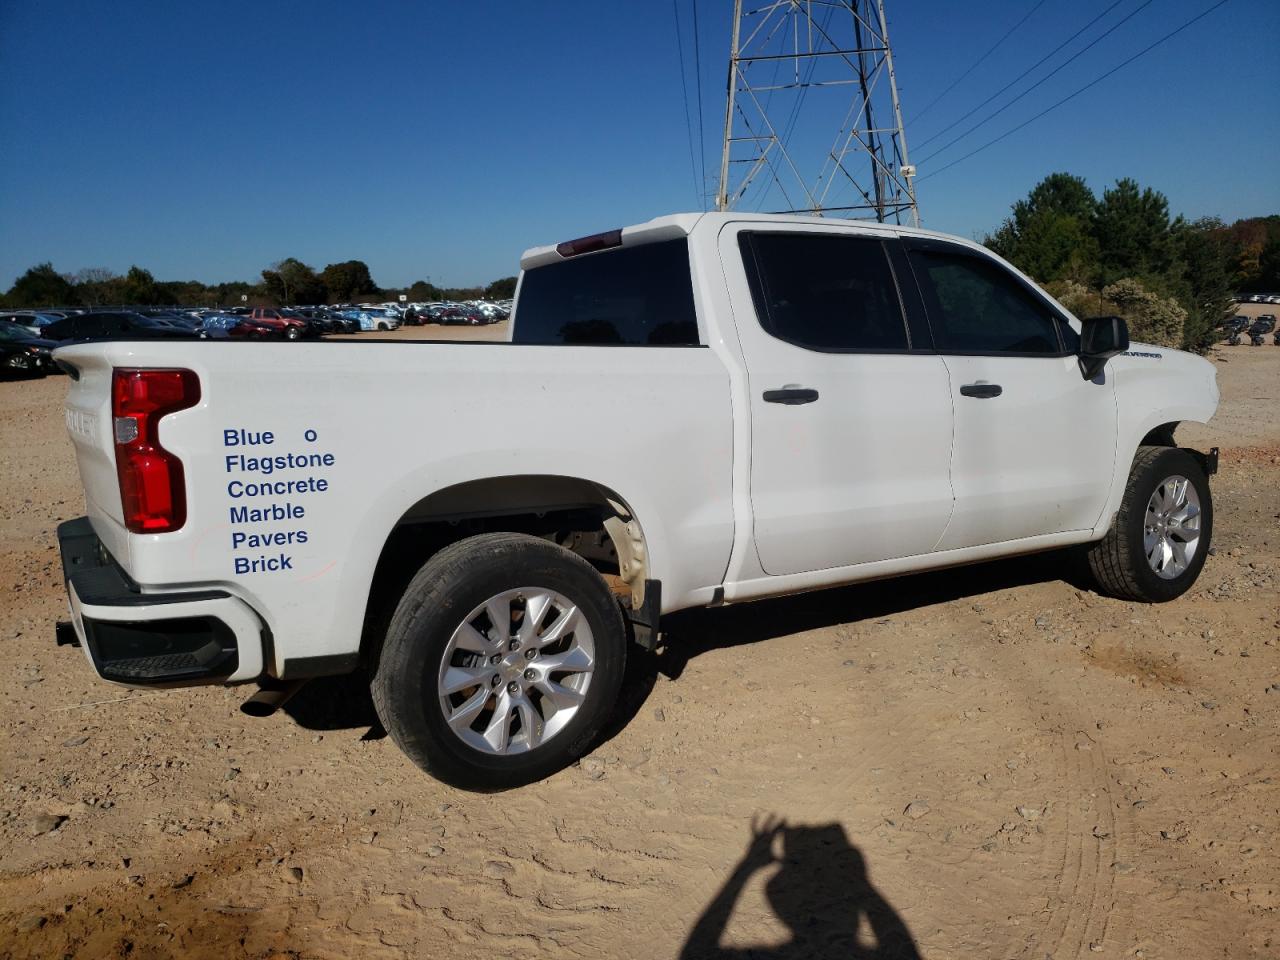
(206, 140)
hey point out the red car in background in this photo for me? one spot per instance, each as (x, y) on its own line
(250, 329)
(291, 327)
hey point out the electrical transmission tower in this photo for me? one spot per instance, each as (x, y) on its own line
(796, 67)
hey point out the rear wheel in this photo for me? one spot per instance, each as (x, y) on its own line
(1161, 536)
(502, 661)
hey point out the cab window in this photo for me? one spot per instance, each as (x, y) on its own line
(630, 296)
(825, 292)
(975, 306)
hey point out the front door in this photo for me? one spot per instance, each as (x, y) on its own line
(850, 419)
(1035, 442)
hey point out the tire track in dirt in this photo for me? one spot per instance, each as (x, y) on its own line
(1081, 916)
(1082, 911)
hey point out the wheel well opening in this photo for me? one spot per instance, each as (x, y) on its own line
(584, 517)
(1161, 436)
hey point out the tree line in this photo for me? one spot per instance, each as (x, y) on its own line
(286, 282)
(1121, 253)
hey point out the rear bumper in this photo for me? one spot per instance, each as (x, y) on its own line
(173, 639)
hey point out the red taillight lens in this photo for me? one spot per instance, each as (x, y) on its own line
(152, 488)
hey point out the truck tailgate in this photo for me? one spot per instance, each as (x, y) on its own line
(88, 417)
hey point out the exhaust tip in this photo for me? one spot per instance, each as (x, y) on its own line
(65, 634)
(270, 699)
(257, 708)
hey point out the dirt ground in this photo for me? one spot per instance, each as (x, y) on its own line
(988, 763)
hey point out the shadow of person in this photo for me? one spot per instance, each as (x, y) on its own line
(821, 894)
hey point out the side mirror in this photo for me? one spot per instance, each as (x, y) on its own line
(1101, 338)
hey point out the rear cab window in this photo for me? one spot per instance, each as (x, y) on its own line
(627, 296)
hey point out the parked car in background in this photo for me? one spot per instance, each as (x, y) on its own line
(217, 326)
(173, 318)
(460, 314)
(377, 318)
(113, 325)
(21, 353)
(291, 327)
(325, 321)
(1233, 328)
(475, 316)
(357, 318)
(1259, 329)
(251, 329)
(32, 321)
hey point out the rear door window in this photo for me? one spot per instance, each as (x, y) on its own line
(825, 292)
(630, 296)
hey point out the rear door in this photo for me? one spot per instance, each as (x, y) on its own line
(850, 409)
(1035, 442)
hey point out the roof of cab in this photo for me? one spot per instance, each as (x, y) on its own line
(682, 224)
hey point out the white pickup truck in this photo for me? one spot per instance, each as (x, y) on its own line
(699, 410)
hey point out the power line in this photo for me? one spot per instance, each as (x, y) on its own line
(1048, 76)
(702, 143)
(978, 62)
(684, 87)
(1072, 96)
(1029, 69)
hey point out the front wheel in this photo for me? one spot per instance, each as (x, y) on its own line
(19, 362)
(292, 333)
(501, 663)
(1162, 532)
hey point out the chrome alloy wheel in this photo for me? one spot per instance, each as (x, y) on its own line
(1171, 528)
(516, 671)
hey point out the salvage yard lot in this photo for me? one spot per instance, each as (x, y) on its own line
(1010, 764)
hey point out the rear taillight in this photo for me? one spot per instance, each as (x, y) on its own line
(152, 488)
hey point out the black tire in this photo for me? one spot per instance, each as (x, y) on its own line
(292, 333)
(19, 362)
(453, 582)
(1118, 562)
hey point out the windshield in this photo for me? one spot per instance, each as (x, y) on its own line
(13, 333)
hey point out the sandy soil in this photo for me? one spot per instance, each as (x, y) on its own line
(990, 763)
